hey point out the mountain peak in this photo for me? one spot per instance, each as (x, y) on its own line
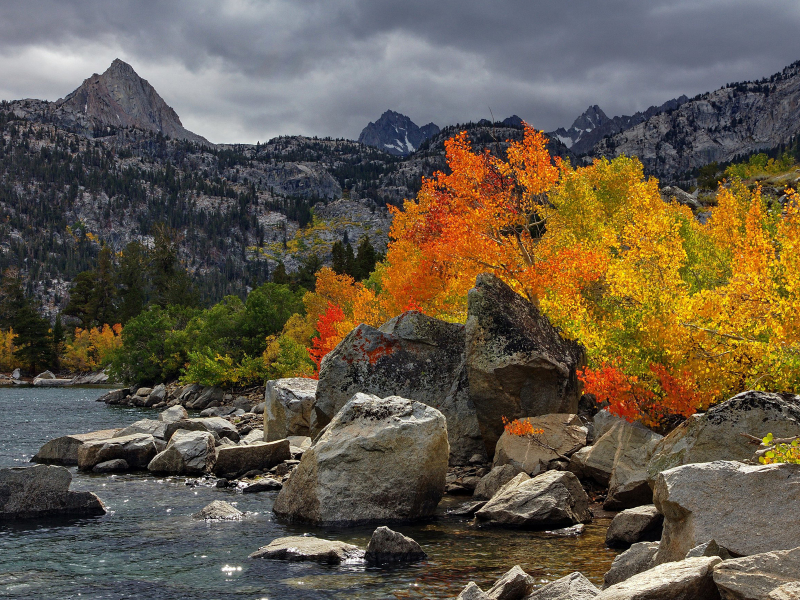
(120, 98)
(396, 134)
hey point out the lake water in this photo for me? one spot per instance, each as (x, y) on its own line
(148, 546)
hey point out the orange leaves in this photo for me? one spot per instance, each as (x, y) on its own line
(328, 334)
(626, 396)
(91, 349)
(520, 427)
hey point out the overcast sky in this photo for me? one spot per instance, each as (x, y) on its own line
(242, 71)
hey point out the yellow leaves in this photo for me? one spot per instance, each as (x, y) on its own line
(90, 349)
(7, 360)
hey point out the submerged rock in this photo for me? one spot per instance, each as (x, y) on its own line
(518, 365)
(43, 491)
(378, 460)
(386, 546)
(310, 548)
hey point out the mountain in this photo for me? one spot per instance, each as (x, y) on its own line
(116, 99)
(396, 134)
(719, 126)
(593, 125)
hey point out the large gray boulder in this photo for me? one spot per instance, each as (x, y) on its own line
(495, 479)
(156, 396)
(64, 450)
(235, 461)
(619, 459)
(689, 579)
(639, 558)
(563, 435)
(149, 426)
(717, 434)
(639, 524)
(748, 509)
(43, 491)
(552, 499)
(515, 584)
(219, 510)
(287, 407)
(173, 413)
(187, 453)
(216, 426)
(572, 587)
(412, 356)
(310, 548)
(378, 460)
(210, 396)
(137, 450)
(518, 365)
(387, 546)
(756, 577)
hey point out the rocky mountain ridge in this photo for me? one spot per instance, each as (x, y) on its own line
(396, 134)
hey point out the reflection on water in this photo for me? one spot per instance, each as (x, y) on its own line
(149, 547)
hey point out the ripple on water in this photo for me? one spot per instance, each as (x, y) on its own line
(149, 547)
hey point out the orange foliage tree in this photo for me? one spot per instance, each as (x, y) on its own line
(91, 349)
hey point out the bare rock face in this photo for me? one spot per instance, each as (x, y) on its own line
(716, 434)
(747, 509)
(552, 499)
(396, 134)
(689, 579)
(639, 524)
(235, 461)
(386, 546)
(310, 548)
(64, 450)
(287, 407)
(412, 356)
(563, 435)
(120, 98)
(43, 491)
(572, 587)
(518, 365)
(378, 460)
(187, 453)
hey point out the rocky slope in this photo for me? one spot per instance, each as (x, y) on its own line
(396, 134)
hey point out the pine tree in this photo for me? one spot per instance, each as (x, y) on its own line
(12, 298)
(131, 277)
(366, 257)
(32, 339)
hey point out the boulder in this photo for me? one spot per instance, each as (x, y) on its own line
(90, 379)
(310, 548)
(43, 491)
(220, 411)
(563, 435)
(47, 379)
(219, 510)
(689, 579)
(572, 587)
(115, 396)
(472, 592)
(263, 485)
(143, 392)
(378, 460)
(187, 453)
(577, 462)
(64, 450)
(255, 436)
(189, 394)
(118, 465)
(639, 524)
(716, 434)
(618, 459)
(518, 365)
(243, 402)
(637, 559)
(788, 591)
(748, 509)
(16, 374)
(157, 395)
(554, 498)
(149, 426)
(137, 450)
(235, 461)
(387, 546)
(513, 585)
(602, 422)
(494, 480)
(216, 426)
(413, 356)
(173, 414)
(210, 396)
(288, 404)
(709, 548)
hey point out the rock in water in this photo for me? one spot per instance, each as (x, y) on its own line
(235, 461)
(310, 548)
(472, 592)
(287, 407)
(219, 510)
(513, 585)
(572, 587)
(689, 579)
(64, 450)
(187, 453)
(552, 499)
(518, 365)
(387, 546)
(43, 491)
(137, 450)
(378, 460)
(217, 426)
(563, 435)
(748, 509)
(117, 465)
(413, 356)
(148, 426)
(638, 558)
(716, 434)
(639, 524)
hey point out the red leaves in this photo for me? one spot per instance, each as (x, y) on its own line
(328, 336)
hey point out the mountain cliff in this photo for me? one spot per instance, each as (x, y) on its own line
(396, 134)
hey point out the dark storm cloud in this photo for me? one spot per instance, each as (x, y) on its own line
(243, 71)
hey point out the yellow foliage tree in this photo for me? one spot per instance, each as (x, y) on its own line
(91, 349)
